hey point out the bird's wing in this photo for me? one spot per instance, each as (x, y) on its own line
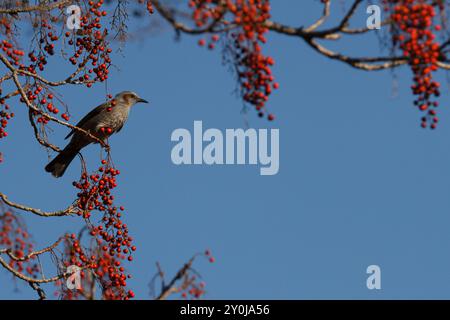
(96, 111)
(119, 128)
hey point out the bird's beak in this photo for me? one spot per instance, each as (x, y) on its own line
(142, 100)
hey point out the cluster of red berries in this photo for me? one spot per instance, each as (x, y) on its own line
(212, 42)
(205, 11)
(413, 34)
(38, 62)
(40, 97)
(191, 288)
(44, 100)
(74, 255)
(97, 268)
(35, 92)
(91, 45)
(5, 116)
(252, 66)
(104, 270)
(48, 37)
(14, 55)
(112, 234)
(47, 47)
(13, 235)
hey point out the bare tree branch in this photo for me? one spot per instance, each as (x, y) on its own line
(70, 210)
(310, 34)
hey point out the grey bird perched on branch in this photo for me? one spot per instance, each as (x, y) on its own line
(101, 122)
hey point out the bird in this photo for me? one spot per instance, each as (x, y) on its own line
(101, 122)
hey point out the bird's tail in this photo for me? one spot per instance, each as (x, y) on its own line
(58, 166)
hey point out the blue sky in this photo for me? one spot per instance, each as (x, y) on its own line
(360, 183)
